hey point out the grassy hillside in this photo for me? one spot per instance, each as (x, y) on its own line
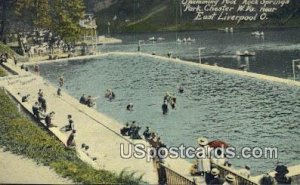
(2, 72)
(21, 136)
(165, 15)
(6, 49)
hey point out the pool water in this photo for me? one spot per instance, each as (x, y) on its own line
(243, 111)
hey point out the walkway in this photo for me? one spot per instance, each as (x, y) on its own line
(94, 129)
(16, 169)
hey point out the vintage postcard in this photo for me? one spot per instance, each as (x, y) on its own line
(183, 92)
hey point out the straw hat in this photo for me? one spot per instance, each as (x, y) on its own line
(202, 141)
(215, 171)
(230, 178)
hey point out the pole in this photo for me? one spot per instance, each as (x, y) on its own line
(199, 53)
(294, 70)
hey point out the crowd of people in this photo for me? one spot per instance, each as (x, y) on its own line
(132, 130)
(206, 165)
(91, 101)
(168, 99)
(39, 110)
(208, 161)
(87, 100)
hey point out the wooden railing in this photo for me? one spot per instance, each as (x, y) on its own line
(169, 176)
(239, 180)
(296, 179)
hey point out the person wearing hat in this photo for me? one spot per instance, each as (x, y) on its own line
(210, 175)
(229, 180)
(203, 161)
(245, 172)
(267, 180)
(281, 175)
(216, 179)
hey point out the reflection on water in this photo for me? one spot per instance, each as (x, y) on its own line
(241, 111)
(274, 52)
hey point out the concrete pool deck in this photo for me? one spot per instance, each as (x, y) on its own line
(99, 136)
(94, 129)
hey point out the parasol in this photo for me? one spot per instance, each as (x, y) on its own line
(218, 144)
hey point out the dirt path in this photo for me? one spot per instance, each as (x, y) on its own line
(18, 169)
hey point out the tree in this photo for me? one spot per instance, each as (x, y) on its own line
(3, 6)
(5, 14)
(36, 13)
(42, 14)
(66, 16)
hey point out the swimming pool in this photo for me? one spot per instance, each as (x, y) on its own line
(243, 111)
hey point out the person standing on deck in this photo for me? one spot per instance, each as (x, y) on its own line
(203, 162)
(36, 111)
(216, 180)
(40, 95)
(71, 122)
(219, 157)
(37, 69)
(43, 104)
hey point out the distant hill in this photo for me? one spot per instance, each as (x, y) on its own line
(166, 15)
